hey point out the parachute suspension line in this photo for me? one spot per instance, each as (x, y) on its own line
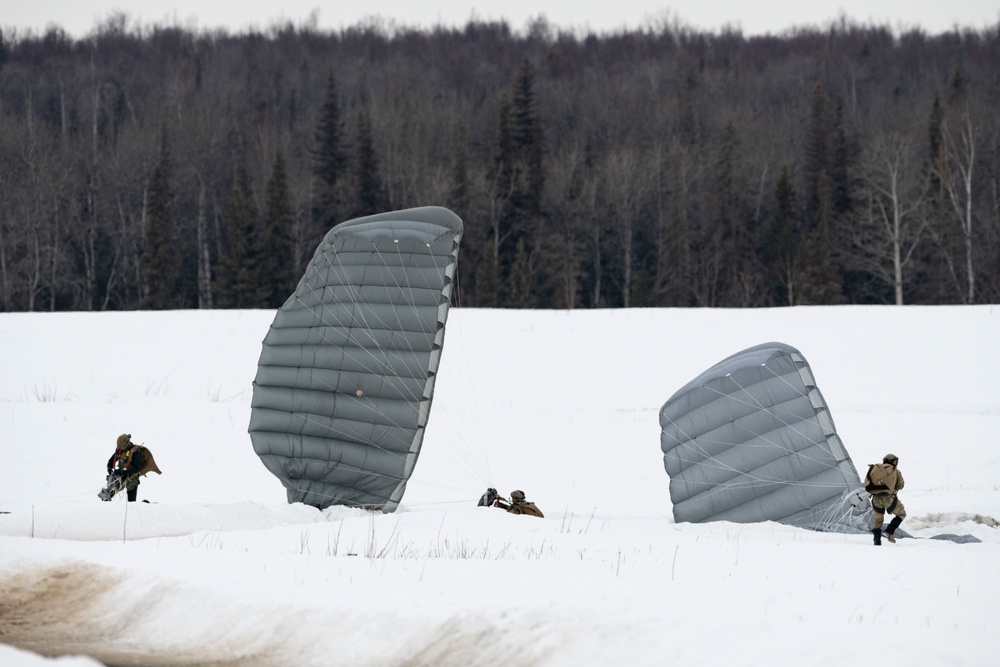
(51, 501)
(773, 412)
(838, 514)
(477, 459)
(367, 506)
(360, 310)
(322, 315)
(408, 289)
(364, 312)
(468, 451)
(460, 459)
(712, 489)
(806, 395)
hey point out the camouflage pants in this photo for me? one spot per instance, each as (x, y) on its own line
(886, 502)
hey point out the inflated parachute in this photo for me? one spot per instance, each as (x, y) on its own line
(751, 439)
(346, 374)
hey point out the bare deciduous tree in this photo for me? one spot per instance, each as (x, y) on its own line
(889, 231)
(956, 175)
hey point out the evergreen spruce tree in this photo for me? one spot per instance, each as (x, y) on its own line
(238, 278)
(276, 245)
(928, 285)
(527, 138)
(821, 283)
(329, 162)
(840, 163)
(499, 188)
(162, 259)
(521, 294)
(504, 154)
(936, 155)
(517, 176)
(734, 239)
(502, 170)
(370, 196)
(816, 152)
(489, 283)
(781, 253)
(459, 191)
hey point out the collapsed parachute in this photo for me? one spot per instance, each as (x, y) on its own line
(346, 373)
(751, 439)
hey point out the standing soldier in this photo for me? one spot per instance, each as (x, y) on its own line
(883, 482)
(125, 466)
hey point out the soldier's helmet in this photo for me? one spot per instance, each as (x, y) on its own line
(517, 496)
(891, 459)
(123, 440)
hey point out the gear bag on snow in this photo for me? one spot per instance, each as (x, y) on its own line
(148, 464)
(881, 478)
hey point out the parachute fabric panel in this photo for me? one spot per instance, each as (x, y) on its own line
(346, 373)
(751, 439)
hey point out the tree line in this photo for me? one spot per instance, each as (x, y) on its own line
(161, 168)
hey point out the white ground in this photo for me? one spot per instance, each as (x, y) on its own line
(219, 570)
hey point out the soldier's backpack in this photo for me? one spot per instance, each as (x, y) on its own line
(881, 478)
(148, 464)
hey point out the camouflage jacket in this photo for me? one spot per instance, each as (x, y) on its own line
(524, 507)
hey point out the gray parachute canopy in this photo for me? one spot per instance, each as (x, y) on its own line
(751, 439)
(346, 374)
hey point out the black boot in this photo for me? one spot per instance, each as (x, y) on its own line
(877, 532)
(891, 530)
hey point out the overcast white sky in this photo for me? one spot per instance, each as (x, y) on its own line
(78, 17)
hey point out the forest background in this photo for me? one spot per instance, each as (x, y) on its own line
(162, 167)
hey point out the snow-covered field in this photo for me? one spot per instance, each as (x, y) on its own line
(217, 569)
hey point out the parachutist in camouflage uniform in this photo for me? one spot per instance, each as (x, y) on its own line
(887, 501)
(518, 505)
(125, 466)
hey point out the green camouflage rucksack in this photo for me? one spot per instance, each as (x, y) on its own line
(881, 478)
